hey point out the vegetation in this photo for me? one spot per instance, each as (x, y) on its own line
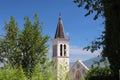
(109, 9)
(17, 73)
(8, 73)
(97, 72)
(63, 74)
(24, 49)
(24, 53)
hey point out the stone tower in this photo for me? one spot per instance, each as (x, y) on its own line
(60, 47)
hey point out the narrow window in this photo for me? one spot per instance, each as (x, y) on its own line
(60, 49)
(64, 50)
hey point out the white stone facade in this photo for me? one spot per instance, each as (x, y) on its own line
(78, 70)
(61, 57)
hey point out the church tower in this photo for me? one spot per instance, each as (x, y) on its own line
(60, 47)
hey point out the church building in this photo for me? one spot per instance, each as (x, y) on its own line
(60, 48)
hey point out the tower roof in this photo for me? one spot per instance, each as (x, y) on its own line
(59, 31)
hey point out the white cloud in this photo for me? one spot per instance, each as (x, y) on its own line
(77, 53)
(79, 50)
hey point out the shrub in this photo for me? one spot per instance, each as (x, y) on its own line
(98, 72)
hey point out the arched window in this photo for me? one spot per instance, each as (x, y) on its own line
(60, 49)
(78, 75)
(64, 50)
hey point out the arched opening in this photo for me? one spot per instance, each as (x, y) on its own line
(78, 75)
(60, 49)
(64, 50)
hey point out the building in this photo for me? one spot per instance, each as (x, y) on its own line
(60, 46)
(78, 70)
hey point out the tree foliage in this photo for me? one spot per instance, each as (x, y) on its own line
(8, 73)
(98, 72)
(93, 6)
(110, 10)
(17, 73)
(9, 43)
(32, 44)
(96, 44)
(27, 47)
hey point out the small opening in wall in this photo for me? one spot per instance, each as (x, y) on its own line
(60, 49)
(64, 50)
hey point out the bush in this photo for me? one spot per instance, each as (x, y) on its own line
(98, 72)
(44, 72)
(8, 73)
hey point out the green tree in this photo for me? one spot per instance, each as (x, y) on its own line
(32, 44)
(9, 43)
(9, 73)
(99, 73)
(26, 48)
(111, 39)
(44, 72)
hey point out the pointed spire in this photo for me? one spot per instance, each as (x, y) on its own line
(59, 31)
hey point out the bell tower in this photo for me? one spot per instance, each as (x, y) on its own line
(60, 47)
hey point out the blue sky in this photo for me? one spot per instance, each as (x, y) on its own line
(80, 29)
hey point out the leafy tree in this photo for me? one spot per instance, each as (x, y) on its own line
(8, 44)
(44, 72)
(32, 44)
(99, 73)
(111, 42)
(8, 73)
(26, 48)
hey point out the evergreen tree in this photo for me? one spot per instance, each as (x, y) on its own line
(110, 9)
(32, 45)
(26, 48)
(9, 43)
